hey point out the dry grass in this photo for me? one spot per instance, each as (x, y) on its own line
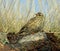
(11, 18)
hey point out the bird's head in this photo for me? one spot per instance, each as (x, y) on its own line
(39, 14)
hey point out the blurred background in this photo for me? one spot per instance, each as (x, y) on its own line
(16, 13)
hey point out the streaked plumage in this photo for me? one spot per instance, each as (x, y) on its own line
(34, 25)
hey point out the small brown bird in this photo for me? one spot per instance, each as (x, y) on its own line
(34, 25)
